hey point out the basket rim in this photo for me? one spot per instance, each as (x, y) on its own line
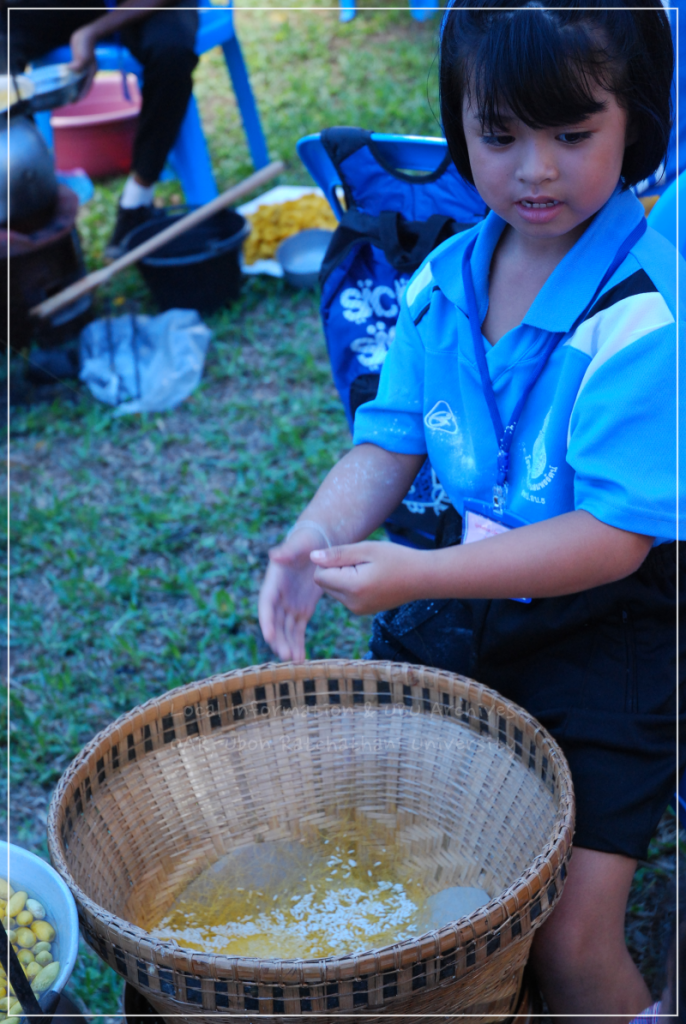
(440, 941)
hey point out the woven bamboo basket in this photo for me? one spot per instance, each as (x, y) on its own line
(468, 787)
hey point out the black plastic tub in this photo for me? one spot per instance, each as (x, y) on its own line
(198, 270)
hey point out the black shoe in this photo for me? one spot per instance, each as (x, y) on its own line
(127, 220)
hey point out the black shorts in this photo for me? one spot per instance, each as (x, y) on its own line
(598, 669)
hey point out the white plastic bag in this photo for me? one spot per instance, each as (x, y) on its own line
(144, 363)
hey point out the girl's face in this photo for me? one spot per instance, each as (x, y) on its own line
(547, 182)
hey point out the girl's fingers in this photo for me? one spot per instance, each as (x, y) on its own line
(343, 585)
(294, 549)
(270, 609)
(337, 581)
(284, 631)
(295, 637)
(286, 602)
(343, 555)
(265, 611)
(281, 555)
(278, 642)
(288, 635)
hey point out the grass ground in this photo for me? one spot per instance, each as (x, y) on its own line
(138, 544)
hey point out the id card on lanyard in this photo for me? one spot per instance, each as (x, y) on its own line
(478, 524)
(481, 519)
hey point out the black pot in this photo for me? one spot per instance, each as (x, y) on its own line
(198, 270)
(41, 264)
(27, 172)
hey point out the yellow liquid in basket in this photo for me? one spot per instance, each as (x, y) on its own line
(286, 901)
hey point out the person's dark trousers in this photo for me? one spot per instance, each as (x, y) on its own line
(163, 43)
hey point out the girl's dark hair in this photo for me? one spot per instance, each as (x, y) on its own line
(541, 63)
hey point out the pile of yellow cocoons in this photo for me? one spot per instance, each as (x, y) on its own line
(33, 940)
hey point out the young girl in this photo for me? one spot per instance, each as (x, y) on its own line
(535, 363)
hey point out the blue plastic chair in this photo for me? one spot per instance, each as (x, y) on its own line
(421, 10)
(189, 157)
(663, 216)
(404, 152)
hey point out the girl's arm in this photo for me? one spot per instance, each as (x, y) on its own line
(357, 495)
(563, 555)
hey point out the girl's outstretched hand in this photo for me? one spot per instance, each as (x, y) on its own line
(289, 595)
(368, 577)
(358, 493)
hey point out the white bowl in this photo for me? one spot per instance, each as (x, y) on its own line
(29, 873)
(301, 256)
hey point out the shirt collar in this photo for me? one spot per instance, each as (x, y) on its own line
(570, 287)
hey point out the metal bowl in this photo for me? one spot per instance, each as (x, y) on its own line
(41, 881)
(301, 256)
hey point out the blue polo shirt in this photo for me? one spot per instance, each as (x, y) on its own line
(598, 430)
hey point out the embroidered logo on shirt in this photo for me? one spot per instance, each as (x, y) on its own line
(535, 467)
(538, 456)
(441, 417)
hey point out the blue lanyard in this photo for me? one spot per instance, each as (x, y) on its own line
(505, 433)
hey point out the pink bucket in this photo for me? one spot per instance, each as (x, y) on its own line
(97, 132)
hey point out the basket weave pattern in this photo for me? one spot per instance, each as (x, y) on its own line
(467, 786)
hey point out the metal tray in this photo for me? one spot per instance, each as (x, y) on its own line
(55, 85)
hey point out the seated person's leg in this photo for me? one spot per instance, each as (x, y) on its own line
(164, 44)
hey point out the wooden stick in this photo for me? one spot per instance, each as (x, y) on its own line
(97, 277)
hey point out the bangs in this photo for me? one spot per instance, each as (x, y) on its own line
(539, 70)
(515, 58)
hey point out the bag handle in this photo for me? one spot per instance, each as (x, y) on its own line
(406, 244)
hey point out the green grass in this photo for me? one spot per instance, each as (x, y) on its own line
(138, 544)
